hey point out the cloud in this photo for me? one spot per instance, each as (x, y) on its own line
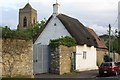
(8, 19)
(95, 13)
(100, 30)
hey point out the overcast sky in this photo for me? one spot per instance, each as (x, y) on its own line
(96, 14)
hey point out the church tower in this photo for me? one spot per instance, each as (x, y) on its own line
(27, 17)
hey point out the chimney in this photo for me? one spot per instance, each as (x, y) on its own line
(55, 9)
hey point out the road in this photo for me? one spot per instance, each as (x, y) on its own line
(84, 74)
(92, 75)
(110, 77)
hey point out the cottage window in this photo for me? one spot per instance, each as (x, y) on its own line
(55, 24)
(84, 54)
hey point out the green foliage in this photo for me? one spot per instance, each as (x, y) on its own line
(115, 45)
(107, 58)
(115, 42)
(8, 33)
(37, 28)
(23, 34)
(66, 41)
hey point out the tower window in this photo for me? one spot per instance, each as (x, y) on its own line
(34, 21)
(25, 22)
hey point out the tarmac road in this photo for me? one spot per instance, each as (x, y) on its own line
(85, 75)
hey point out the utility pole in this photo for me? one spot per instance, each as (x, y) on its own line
(119, 41)
(118, 27)
(109, 39)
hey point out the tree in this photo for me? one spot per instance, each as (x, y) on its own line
(37, 27)
(6, 32)
(115, 41)
(107, 58)
(31, 33)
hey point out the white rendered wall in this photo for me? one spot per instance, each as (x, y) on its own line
(52, 32)
(85, 64)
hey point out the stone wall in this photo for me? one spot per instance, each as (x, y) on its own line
(100, 56)
(17, 57)
(55, 60)
(61, 60)
(66, 58)
(101, 53)
(117, 57)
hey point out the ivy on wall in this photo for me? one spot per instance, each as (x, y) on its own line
(66, 41)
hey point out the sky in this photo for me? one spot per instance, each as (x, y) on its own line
(96, 14)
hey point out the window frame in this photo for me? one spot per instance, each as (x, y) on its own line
(84, 55)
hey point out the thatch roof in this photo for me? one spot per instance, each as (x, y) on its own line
(77, 30)
(100, 42)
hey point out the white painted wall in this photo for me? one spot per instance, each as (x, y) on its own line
(52, 32)
(85, 64)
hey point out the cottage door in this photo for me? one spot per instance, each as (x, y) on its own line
(73, 60)
(40, 59)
